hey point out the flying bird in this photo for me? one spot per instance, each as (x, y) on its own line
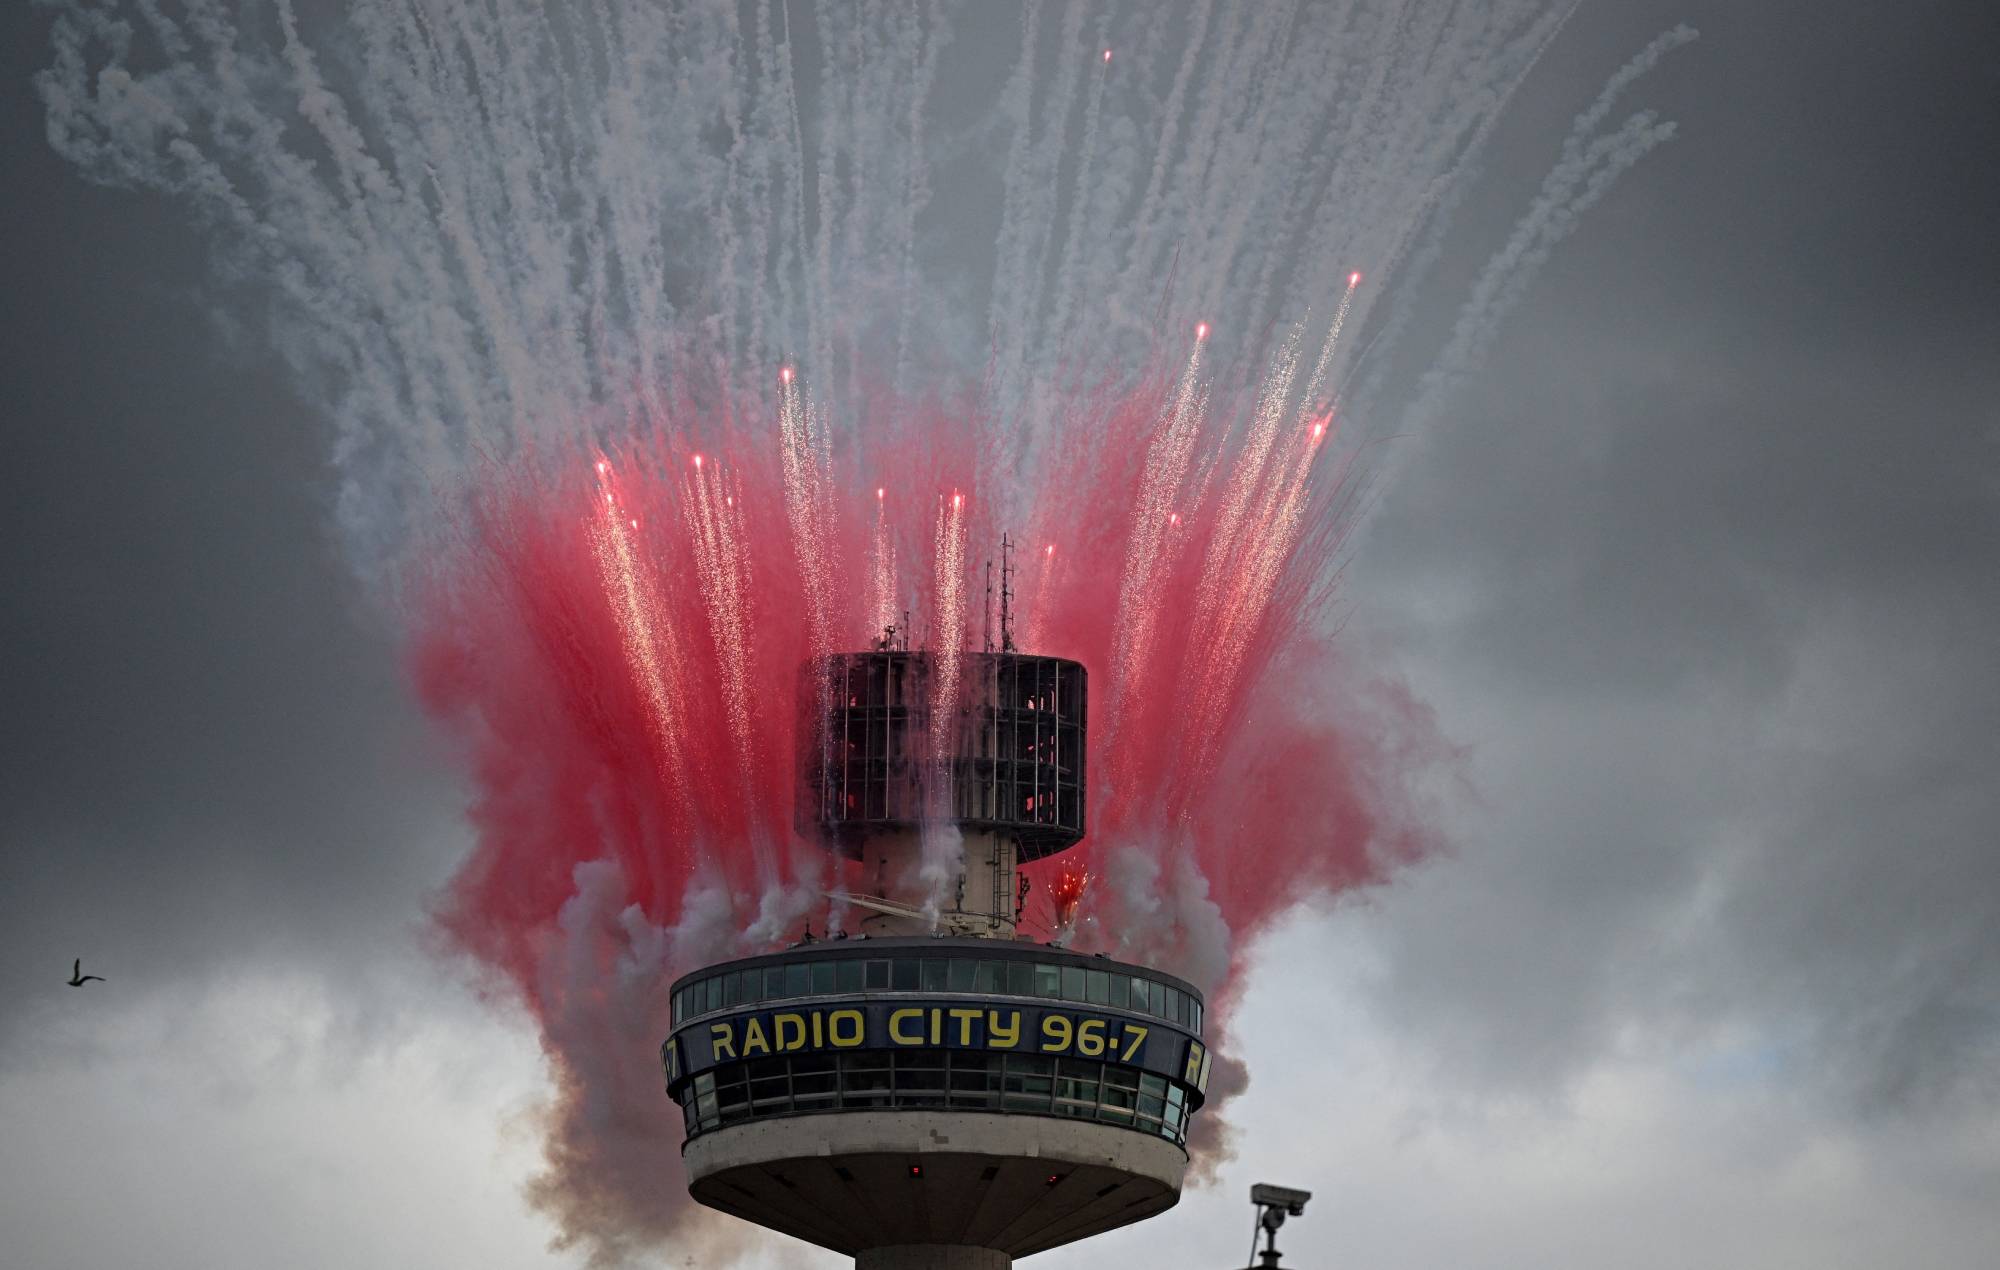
(77, 978)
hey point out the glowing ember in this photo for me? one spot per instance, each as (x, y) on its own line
(1066, 891)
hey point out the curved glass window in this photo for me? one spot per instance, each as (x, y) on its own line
(824, 976)
(804, 1084)
(1048, 981)
(1097, 987)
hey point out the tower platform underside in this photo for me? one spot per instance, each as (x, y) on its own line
(943, 1179)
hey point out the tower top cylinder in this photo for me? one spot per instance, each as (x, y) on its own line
(1004, 754)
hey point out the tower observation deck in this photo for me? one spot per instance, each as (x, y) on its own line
(935, 1090)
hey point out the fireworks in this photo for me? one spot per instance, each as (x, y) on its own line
(614, 221)
(1066, 893)
(713, 568)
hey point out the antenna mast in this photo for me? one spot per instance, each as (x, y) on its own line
(1006, 594)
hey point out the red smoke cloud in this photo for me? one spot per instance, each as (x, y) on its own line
(615, 638)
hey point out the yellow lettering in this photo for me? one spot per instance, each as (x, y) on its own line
(753, 1039)
(819, 1037)
(1090, 1038)
(965, 1019)
(722, 1039)
(788, 1032)
(1003, 1036)
(896, 1033)
(852, 1036)
(937, 1026)
(1137, 1036)
(1057, 1032)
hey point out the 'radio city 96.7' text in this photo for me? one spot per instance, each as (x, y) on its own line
(958, 1027)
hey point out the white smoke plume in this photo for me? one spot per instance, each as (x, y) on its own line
(482, 225)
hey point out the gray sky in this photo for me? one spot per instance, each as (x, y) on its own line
(1699, 573)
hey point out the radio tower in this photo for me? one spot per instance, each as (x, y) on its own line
(938, 1092)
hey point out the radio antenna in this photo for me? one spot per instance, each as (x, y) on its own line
(1006, 594)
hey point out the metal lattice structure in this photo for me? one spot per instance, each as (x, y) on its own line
(1012, 759)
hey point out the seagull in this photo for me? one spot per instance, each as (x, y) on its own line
(77, 978)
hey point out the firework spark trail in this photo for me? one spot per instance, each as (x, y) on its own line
(808, 503)
(649, 643)
(1046, 569)
(939, 871)
(1007, 309)
(1316, 386)
(1244, 484)
(1269, 550)
(1232, 149)
(1147, 552)
(1308, 143)
(835, 120)
(1582, 175)
(881, 572)
(916, 191)
(1254, 535)
(1065, 299)
(734, 222)
(714, 529)
(1142, 256)
(1038, 303)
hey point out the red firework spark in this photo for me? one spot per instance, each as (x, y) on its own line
(1066, 891)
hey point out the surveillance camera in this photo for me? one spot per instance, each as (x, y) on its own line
(1280, 1197)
